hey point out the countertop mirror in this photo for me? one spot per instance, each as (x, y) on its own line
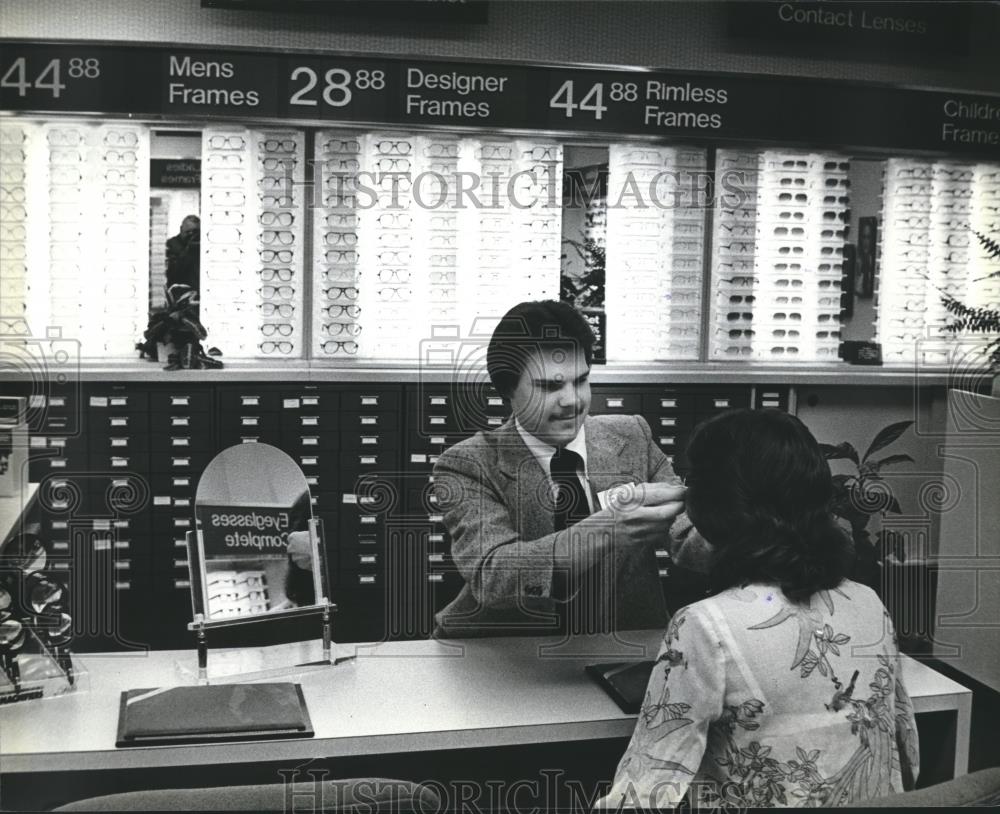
(251, 497)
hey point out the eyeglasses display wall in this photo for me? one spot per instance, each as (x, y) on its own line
(74, 230)
(418, 231)
(655, 252)
(780, 228)
(394, 240)
(928, 250)
(252, 252)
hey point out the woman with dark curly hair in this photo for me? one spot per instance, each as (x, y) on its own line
(785, 688)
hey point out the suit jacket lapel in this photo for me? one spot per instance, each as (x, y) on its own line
(526, 484)
(604, 462)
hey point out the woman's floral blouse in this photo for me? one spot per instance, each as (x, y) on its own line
(756, 701)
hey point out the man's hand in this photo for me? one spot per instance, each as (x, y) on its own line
(300, 550)
(629, 497)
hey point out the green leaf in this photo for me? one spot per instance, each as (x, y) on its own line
(887, 436)
(890, 460)
(841, 451)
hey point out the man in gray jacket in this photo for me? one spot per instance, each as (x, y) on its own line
(555, 516)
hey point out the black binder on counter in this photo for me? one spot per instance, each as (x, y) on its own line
(216, 713)
(625, 682)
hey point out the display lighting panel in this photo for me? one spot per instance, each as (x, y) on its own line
(780, 230)
(931, 211)
(416, 233)
(252, 250)
(74, 231)
(655, 251)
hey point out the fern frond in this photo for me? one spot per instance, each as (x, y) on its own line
(992, 246)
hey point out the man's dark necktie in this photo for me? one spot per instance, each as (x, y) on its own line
(571, 500)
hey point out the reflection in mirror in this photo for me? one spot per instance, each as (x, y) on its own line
(174, 210)
(866, 203)
(584, 239)
(250, 498)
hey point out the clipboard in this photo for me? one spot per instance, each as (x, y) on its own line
(216, 713)
(625, 682)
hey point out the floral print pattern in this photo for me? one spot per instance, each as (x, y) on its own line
(832, 727)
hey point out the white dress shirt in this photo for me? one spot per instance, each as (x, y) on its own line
(543, 454)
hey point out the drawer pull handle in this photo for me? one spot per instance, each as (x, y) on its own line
(369, 401)
(668, 403)
(180, 401)
(617, 403)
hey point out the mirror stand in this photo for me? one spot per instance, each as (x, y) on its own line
(250, 663)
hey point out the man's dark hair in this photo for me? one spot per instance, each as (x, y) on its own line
(529, 326)
(760, 491)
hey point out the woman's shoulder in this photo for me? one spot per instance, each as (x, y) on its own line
(748, 605)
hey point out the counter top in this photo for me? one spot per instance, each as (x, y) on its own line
(387, 698)
(409, 371)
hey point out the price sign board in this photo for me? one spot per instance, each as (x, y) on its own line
(264, 86)
(336, 88)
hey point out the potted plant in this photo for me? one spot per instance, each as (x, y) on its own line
(174, 332)
(979, 320)
(906, 584)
